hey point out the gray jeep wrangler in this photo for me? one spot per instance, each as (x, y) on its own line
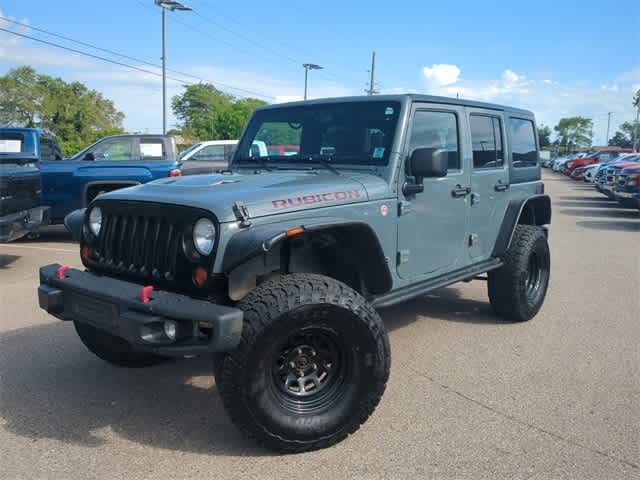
(275, 268)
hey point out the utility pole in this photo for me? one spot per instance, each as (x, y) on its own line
(606, 140)
(170, 5)
(636, 129)
(372, 80)
(307, 67)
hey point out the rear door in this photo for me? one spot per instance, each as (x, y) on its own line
(433, 225)
(489, 180)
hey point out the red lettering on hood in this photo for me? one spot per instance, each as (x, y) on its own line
(315, 198)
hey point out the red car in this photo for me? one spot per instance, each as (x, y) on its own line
(601, 156)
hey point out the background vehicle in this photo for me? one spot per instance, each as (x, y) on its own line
(283, 150)
(627, 187)
(109, 164)
(276, 267)
(601, 156)
(21, 209)
(607, 181)
(214, 155)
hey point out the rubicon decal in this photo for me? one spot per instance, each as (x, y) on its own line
(316, 198)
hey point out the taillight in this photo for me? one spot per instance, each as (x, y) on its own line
(633, 179)
(176, 172)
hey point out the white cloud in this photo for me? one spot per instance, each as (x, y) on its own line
(510, 78)
(441, 74)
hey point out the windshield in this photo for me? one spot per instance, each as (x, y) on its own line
(12, 143)
(189, 149)
(342, 133)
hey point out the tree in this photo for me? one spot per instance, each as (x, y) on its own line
(575, 131)
(544, 135)
(624, 135)
(206, 113)
(77, 115)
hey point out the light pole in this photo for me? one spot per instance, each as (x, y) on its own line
(170, 5)
(307, 67)
(606, 140)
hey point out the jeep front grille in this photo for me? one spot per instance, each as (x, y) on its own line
(144, 241)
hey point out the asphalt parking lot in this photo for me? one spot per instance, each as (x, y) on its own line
(557, 397)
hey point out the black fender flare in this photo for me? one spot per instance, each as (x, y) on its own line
(254, 241)
(532, 210)
(74, 222)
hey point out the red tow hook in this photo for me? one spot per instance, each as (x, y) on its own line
(60, 273)
(144, 293)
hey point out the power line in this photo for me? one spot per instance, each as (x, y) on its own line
(104, 59)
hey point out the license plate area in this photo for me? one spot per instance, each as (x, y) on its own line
(98, 313)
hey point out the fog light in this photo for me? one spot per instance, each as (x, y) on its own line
(170, 328)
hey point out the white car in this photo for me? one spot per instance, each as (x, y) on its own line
(213, 155)
(590, 173)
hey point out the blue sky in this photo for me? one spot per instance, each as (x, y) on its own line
(557, 58)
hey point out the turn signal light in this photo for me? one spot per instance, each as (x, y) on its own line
(292, 232)
(200, 276)
(176, 172)
(85, 253)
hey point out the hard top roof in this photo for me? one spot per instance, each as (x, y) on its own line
(407, 97)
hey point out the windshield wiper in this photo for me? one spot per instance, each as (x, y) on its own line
(259, 160)
(322, 160)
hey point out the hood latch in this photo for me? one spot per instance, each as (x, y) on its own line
(242, 213)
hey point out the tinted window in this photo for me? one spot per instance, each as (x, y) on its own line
(49, 150)
(436, 130)
(342, 133)
(115, 149)
(524, 152)
(486, 139)
(211, 153)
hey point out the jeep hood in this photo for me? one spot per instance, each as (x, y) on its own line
(262, 194)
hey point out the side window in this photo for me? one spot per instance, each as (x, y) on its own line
(524, 151)
(151, 149)
(49, 150)
(486, 139)
(432, 129)
(115, 149)
(212, 153)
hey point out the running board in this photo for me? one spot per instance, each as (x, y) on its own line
(411, 291)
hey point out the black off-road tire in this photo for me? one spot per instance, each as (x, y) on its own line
(310, 311)
(113, 349)
(517, 289)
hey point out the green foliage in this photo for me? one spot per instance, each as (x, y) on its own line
(575, 131)
(624, 136)
(544, 135)
(77, 115)
(206, 113)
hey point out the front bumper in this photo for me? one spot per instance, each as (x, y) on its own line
(115, 307)
(17, 225)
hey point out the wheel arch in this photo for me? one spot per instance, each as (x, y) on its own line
(533, 210)
(346, 250)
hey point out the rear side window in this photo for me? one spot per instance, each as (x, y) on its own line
(524, 151)
(211, 153)
(433, 129)
(49, 150)
(486, 138)
(151, 149)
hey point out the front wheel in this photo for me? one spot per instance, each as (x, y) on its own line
(311, 367)
(517, 289)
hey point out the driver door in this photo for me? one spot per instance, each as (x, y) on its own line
(433, 225)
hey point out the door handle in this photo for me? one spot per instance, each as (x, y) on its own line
(460, 191)
(501, 187)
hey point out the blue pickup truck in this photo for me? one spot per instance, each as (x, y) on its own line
(21, 209)
(111, 163)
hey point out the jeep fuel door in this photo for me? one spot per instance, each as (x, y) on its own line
(432, 227)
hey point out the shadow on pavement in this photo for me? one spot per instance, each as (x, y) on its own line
(6, 260)
(52, 233)
(590, 204)
(617, 213)
(610, 225)
(595, 198)
(52, 387)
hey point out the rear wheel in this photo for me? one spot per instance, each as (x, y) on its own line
(517, 289)
(311, 367)
(113, 349)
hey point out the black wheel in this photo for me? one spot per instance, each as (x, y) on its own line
(113, 349)
(518, 288)
(311, 367)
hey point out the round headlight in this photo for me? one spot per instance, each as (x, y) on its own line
(95, 220)
(204, 236)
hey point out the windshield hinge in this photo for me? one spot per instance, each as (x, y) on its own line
(242, 213)
(404, 208)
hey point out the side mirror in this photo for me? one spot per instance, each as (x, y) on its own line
(89, 157)
(426, 163)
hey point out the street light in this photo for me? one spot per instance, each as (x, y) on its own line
(170, 5)
(307, 67)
